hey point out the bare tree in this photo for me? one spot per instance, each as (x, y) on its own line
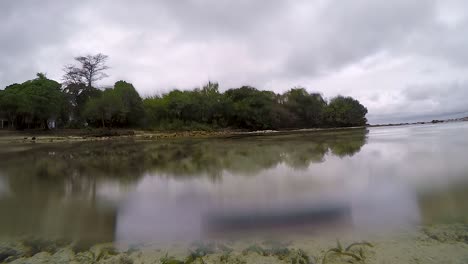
(90, 69)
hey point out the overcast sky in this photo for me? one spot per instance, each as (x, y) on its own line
(404, 59)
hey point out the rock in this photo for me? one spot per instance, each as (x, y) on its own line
(39, 258)
(85, 257)
(10, 251)
(447, 233)
(7, 252)
(37, 245)
(119, 259)
(103, 251)
(63, 256)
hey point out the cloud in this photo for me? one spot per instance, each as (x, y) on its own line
(347, 32)
(442, 98)
(399, 58)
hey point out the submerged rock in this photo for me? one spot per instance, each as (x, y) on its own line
(7, 252)
(65, 255)
(119, 259)
(85, 257)
(39, 258)
(10, 251)
(37, 245)
(447, 233)
(103, 251)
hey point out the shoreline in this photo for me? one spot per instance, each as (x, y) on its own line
(97, 134)
(77, 135)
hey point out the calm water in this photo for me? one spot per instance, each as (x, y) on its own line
(374, 180)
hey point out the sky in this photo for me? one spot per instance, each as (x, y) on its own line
(405, 60)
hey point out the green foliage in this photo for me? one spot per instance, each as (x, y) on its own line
(185, 109)
(250, 109)
(32, 103)
(121, 106)
(132, 104)
(78, 95)
(345, 112)
(307, 109)
(106, 109)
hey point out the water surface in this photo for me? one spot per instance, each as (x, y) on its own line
(372, 180)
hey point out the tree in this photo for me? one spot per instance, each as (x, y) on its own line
(77, 95)
(120, 106)
(133, 111)
(35, 102)
(32, 103)
(208, 99)
(252, 109)
(106, 109)
(91, 68)
(344, 112)
(307, 108)
(10, 101)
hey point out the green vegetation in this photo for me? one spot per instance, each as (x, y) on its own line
(251, 109)
(118, 107)
(32, 103)
(355, 255)
(77, 103)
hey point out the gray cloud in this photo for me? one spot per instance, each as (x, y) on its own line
(348, 31)
(400, 58)
(31, 32)
(442, 98)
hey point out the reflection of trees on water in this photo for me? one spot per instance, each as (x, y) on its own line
(47, 199)
(77, 165)
(52, 188)
(73, 169)
(252, 154)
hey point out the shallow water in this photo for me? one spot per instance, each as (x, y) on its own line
(362, 183)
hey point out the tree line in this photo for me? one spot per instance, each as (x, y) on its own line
(77, 103)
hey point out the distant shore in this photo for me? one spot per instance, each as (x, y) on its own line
(76, 135)
(435, 121)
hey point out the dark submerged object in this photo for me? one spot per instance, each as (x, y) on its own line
(252, 220)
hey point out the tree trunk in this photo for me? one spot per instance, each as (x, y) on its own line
(46, 125)
(102, 119)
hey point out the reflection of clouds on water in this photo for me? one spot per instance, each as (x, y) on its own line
(161, 208)
(112, 192)
(385, 207)
(167, 209)
(170, 209)
(382, 184)
(417, 155)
